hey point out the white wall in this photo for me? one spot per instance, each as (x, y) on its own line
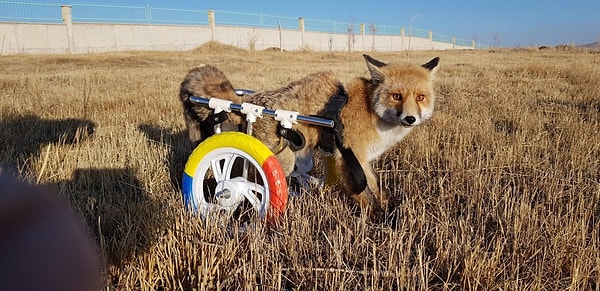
(28, 38)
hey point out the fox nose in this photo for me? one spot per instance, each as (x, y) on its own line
(410, 119)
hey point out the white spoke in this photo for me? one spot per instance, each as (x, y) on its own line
(215, 166)
(250, 194)
(220, 172)
(228, 165)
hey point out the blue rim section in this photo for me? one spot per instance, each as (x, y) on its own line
(186, 190)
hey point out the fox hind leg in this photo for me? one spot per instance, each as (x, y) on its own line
(303, 165)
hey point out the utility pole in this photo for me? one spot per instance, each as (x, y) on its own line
(412, 19)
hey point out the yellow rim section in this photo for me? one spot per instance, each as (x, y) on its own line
(237, 140)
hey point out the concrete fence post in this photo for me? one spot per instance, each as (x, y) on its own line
(280, 37)
(67, 18)
(453, 43)
(431, 40)
(148, 14)
(362, 35)
(402, 36)
(473, 43)
(211, 24)
(301, 27)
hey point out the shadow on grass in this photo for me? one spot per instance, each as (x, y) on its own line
(23, 136)
(120, 215)
(124, 220)
(179, 145)
(591, 105)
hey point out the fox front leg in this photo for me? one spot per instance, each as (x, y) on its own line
(372, 198)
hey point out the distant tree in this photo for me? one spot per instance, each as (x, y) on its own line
(350, 37)
(252, 39)
(496, 39)
(373, 30)
(410, 27)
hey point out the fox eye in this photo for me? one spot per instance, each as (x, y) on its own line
(397, 96)
(420, 97)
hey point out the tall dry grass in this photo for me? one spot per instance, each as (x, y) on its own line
(500, 190)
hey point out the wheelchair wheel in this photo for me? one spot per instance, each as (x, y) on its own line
(234, 175)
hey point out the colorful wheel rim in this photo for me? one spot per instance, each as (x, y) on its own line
(218, 157)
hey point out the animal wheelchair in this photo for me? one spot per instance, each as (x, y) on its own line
(233, 174)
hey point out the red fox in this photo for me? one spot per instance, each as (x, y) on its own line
(380, 111)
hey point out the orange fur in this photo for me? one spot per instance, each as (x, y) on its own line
(205, 81)
(379, 113)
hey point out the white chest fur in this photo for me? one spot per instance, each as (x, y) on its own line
(389, 136)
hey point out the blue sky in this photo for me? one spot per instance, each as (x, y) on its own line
(505, 23)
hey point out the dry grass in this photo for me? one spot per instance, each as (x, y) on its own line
(500, 190)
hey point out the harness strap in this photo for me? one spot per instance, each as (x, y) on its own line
(217, 118)
(296, 140)
(333, 137)
(207, 125)
(333, 109)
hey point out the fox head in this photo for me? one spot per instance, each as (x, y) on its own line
(403, 95)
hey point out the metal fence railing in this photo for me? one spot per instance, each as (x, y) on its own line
(329, 26)
(30, 12)
(14, 11)
(176, 16)
(228, 18)
(104, 13)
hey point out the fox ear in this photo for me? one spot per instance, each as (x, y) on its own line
(373, 61)
(374, 65)
(431, 64)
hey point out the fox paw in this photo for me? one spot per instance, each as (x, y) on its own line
(298, 183)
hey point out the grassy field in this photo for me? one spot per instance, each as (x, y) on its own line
(500, 190)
